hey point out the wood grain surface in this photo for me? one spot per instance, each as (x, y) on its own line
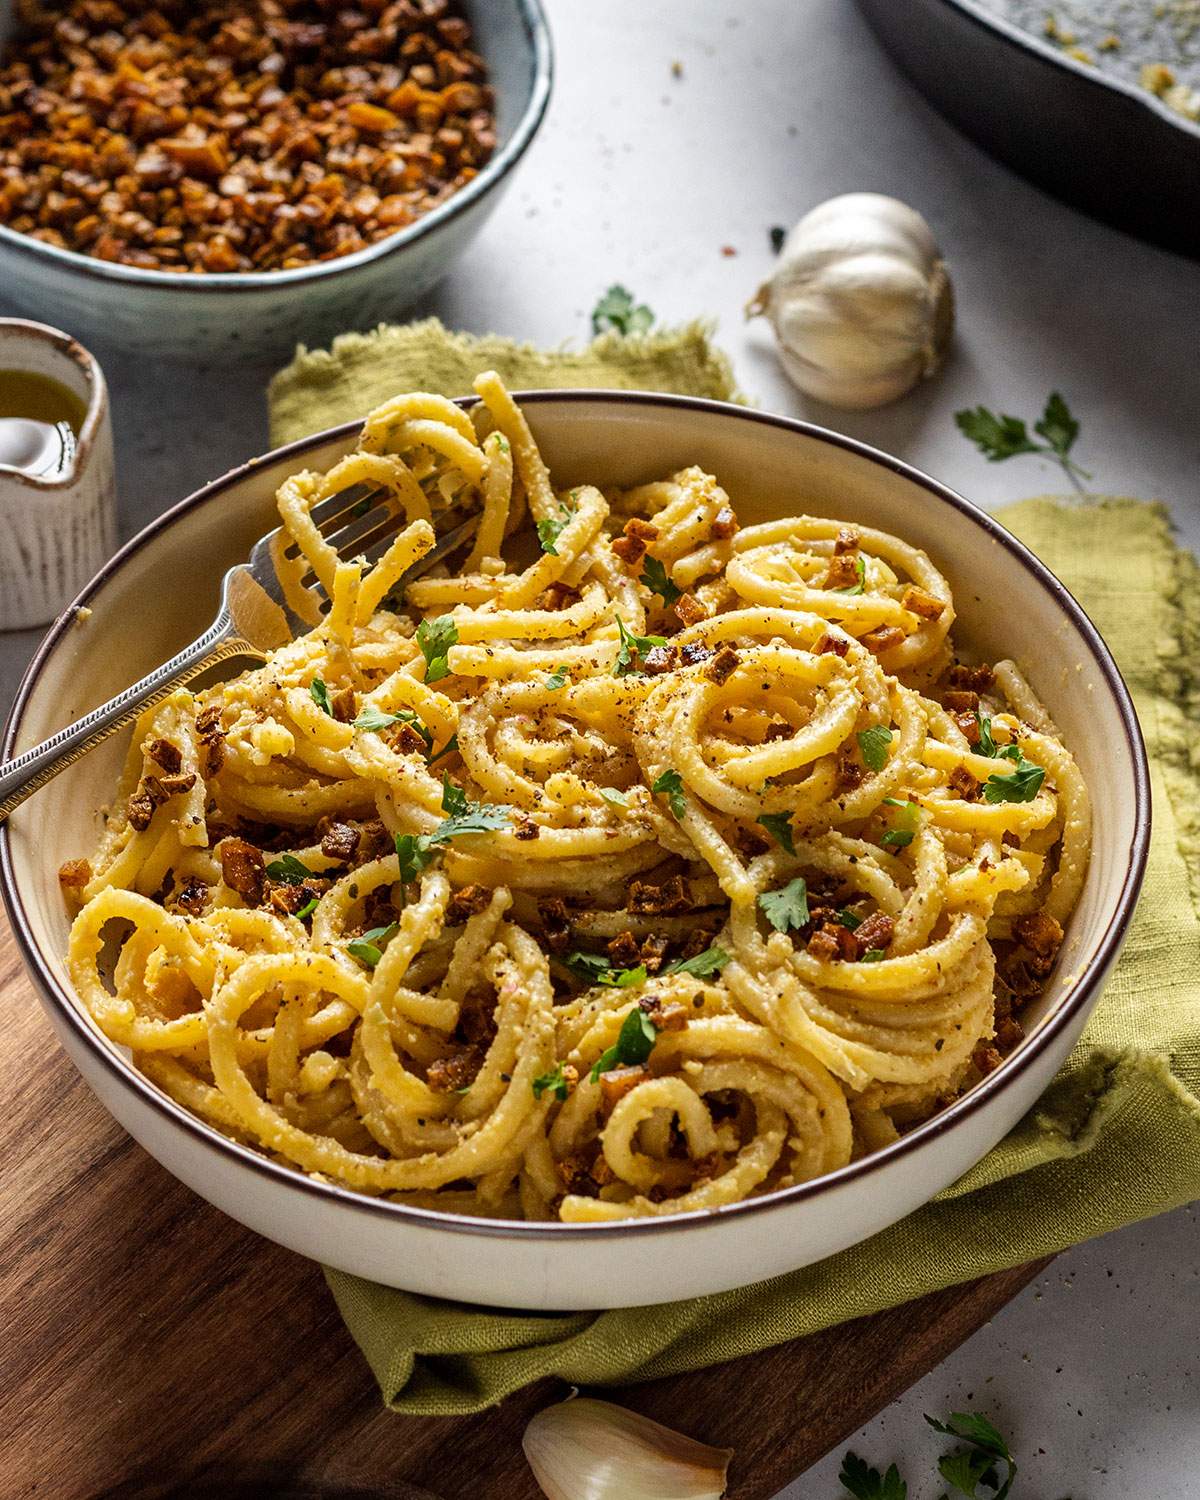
(151, 1347)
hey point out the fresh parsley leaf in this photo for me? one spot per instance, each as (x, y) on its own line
(848, 919)
(375, 718)
(557, 679)
(1001, 437)
(671, 783)
(289, 870)
(454, 799)
(967, 1469)
(779, 826)
(613, 797)
(787, 907)
(873, 955)
(616, 311)
(480, 817)
(368, 949)
(414, 854)
(987, 745)
(1057, 425)
(307, 909)
(631, 645)
(554, 1082)
(996, 437)
(1022, 785)
(873, 743)
(897, 838)
(435, 637)
(656, 579)
(448, 748)
(702, 965)
(865, 1483)
(320, 696)
(860, 569)
(635, 1042)
(550, 528)
(990, 1447)
(596, 969)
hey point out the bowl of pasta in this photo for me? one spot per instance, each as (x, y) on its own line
(687, 878)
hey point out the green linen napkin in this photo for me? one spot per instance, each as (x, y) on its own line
(1115, 1139)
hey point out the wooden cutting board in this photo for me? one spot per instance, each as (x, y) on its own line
(151, 1347)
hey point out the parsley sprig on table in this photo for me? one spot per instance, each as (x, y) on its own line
(1001, 437)
(617, 312)
(973, 1471)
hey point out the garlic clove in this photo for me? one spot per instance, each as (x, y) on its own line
(860, 302)
(584, 1449)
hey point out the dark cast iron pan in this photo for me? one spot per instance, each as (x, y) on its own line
(1106, 146)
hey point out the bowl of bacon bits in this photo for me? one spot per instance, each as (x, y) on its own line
(236, 175)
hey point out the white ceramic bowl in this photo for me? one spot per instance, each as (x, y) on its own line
(258, 314)
(160, 591)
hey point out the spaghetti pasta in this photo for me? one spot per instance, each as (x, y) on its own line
(646, 863)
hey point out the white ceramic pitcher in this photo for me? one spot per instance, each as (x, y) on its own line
(56, 531)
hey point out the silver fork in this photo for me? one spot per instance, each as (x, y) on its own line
(255, 618)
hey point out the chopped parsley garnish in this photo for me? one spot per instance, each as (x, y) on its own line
(632, 645)
(902, 835)
(860, 569)
(289, 870)
(376, 719)
(613, 797)
(320, 696)
(849, 920)
(987, 745)
(550, 528)
(864, 1483)
(657, 581)
(787, 907)
(368, 949)
(634, 1044)
(1000, 437)
(307, 909)
(968, 1468)
(873, 955)
(450, 746)
(616, 311)
(435, 637)
(779, 826)
(554, 1082)
(596, 969)
(873, 743)
(671, 783)
(702, 965)
(1022, 785)
(417, 851)
(557, 679)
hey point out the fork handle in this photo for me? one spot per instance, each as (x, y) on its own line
(24, 774)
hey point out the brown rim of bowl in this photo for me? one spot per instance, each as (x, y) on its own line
(66, 1006)
(532, 19)
(97, 403)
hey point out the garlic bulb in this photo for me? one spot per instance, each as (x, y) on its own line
(582, 1449)
(860, 301)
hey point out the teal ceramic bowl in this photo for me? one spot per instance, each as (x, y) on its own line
(200, 318)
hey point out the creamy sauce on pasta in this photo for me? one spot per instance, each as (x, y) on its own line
(680, 864)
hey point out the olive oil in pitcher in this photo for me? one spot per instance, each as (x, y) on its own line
(40, 422)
